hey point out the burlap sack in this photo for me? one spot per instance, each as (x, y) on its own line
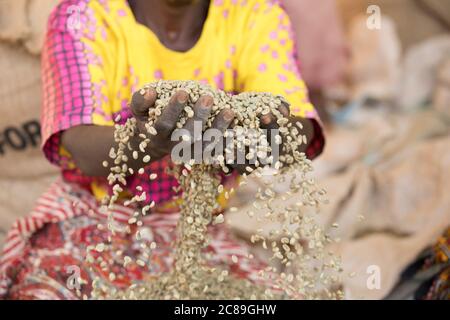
(13, 20)
(399, 187)
(24, 172)
(322, 61)
(20, 99)
(420, 70)
(441, 96)
(374, 67)
(24, 21)
(414, 22)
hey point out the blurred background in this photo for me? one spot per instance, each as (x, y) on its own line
(379, 73)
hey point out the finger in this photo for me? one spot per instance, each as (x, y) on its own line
(270, 125)
(268, 121)
(141, 102)
(202, 111)
(284, 109)
(166, 123)
(221, 122)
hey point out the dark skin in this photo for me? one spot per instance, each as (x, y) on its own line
(178, 24)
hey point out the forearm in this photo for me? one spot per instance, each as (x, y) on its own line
(90, 145)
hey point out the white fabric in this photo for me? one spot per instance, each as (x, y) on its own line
(397, 181)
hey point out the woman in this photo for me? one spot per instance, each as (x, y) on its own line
(97, 53)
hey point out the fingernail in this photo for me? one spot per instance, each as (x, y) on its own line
(207, 101)
(266, 119)
(149, 94)
(284, 109)
(182, 96)
(228, 115)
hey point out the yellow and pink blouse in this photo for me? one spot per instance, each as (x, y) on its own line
(96, 55)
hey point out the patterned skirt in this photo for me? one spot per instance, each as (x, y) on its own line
(44, 250)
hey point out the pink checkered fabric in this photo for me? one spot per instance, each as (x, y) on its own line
(68, 102)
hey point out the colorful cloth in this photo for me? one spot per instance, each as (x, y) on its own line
(440, 258)
(46, 249)
(96, 55)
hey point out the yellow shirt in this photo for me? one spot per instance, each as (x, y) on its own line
(245, 45)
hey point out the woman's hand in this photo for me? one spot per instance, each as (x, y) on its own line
(269, 123)
(161, 144)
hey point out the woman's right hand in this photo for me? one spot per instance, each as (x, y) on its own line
(161, 143)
